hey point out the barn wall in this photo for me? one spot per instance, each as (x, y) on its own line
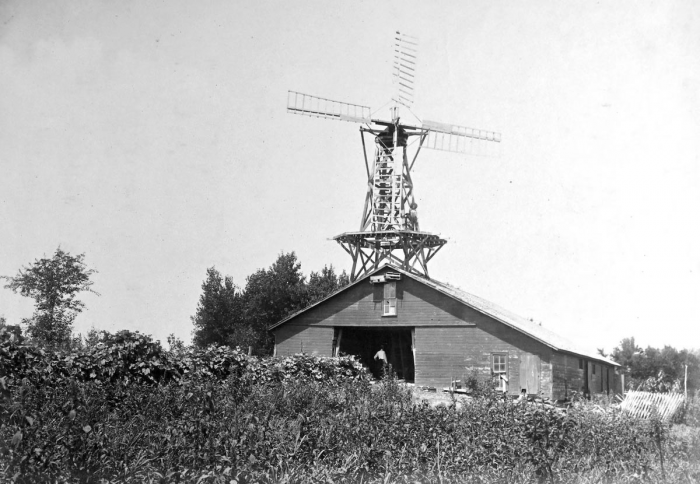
(452, 340)
(568, 377)
(420, 306)
(303, 339)
(447, 353)
(441, 355)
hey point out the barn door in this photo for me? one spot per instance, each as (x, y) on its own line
(530, 373)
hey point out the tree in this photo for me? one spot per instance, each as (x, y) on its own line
(219, 312)
(226, 315)
(324, 283)
(656, 369)
(54, 284)
(271, 295)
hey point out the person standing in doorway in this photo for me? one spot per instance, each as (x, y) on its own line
(381, 356)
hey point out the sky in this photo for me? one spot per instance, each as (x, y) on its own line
(153, 137)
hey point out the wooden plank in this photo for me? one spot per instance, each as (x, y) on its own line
(530, 373)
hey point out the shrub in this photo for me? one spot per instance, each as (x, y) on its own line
(311, 430)
(223, 416)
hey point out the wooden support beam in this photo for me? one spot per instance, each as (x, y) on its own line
(420, 145)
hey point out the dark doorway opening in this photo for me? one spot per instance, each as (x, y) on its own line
(365, 342)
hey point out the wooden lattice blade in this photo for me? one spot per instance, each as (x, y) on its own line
(460, 139)
(299, 103)
(405, 55)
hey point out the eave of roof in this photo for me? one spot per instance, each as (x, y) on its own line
(523, 325)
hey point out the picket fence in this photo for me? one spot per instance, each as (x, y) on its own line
(643, 404)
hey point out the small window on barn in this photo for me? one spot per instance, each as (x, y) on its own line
(499, 368)
(593, 365)
(389, 304)
(580, 363)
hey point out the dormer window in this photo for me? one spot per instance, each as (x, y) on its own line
(389, 300)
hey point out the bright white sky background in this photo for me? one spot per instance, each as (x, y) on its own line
(153, 137)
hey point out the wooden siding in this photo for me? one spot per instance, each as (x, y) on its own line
(441, 355)
(303, 339)
(452, 340)
(569, 378)
(419, 306)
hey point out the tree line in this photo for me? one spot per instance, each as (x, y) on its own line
(234, 316)
(657, 369)
(229, 315)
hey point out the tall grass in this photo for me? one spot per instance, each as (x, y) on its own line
(311, 430)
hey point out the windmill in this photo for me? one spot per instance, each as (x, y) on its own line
(389, 230)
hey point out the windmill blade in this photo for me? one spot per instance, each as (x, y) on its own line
(299, 103)
(460, 139)
(405, 56)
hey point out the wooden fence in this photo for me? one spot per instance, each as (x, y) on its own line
(643, 404)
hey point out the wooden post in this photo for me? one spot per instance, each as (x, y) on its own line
(337, 345)
(250, 350)
(622, 380)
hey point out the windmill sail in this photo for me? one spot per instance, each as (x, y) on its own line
(299, 103)
(460, 139)
(405, 56)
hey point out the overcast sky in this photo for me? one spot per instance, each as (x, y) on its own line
(153, 137)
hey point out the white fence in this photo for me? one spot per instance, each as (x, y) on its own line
(643, 404)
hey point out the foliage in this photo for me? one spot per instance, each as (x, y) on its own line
(12, 329)
(323, 283)
(272, 294)
(54, 284)
(308, 429)
(654, 369)
(234, 317)
(219, 312)
(134, 358)
(175, 344)
(126, 410)
(691, 410)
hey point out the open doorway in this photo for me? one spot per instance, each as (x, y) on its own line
(365, 342)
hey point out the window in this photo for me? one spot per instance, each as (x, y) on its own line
(580, 363)
(499, 369)
(389, 304)
(389, 307)
(593, 365)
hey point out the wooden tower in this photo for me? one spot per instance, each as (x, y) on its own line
(389, 230)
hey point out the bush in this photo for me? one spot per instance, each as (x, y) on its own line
(314, 430)
(128, 358)
(218, 415)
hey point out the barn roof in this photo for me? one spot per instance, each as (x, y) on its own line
(530, 328)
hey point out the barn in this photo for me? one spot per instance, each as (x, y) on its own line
(434, 334)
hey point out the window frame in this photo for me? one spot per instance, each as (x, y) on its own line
(389, 300)
(389, 307)
(500, 384)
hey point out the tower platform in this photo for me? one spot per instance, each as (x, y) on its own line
(411, 250)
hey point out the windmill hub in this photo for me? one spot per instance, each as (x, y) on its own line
(386, 136)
